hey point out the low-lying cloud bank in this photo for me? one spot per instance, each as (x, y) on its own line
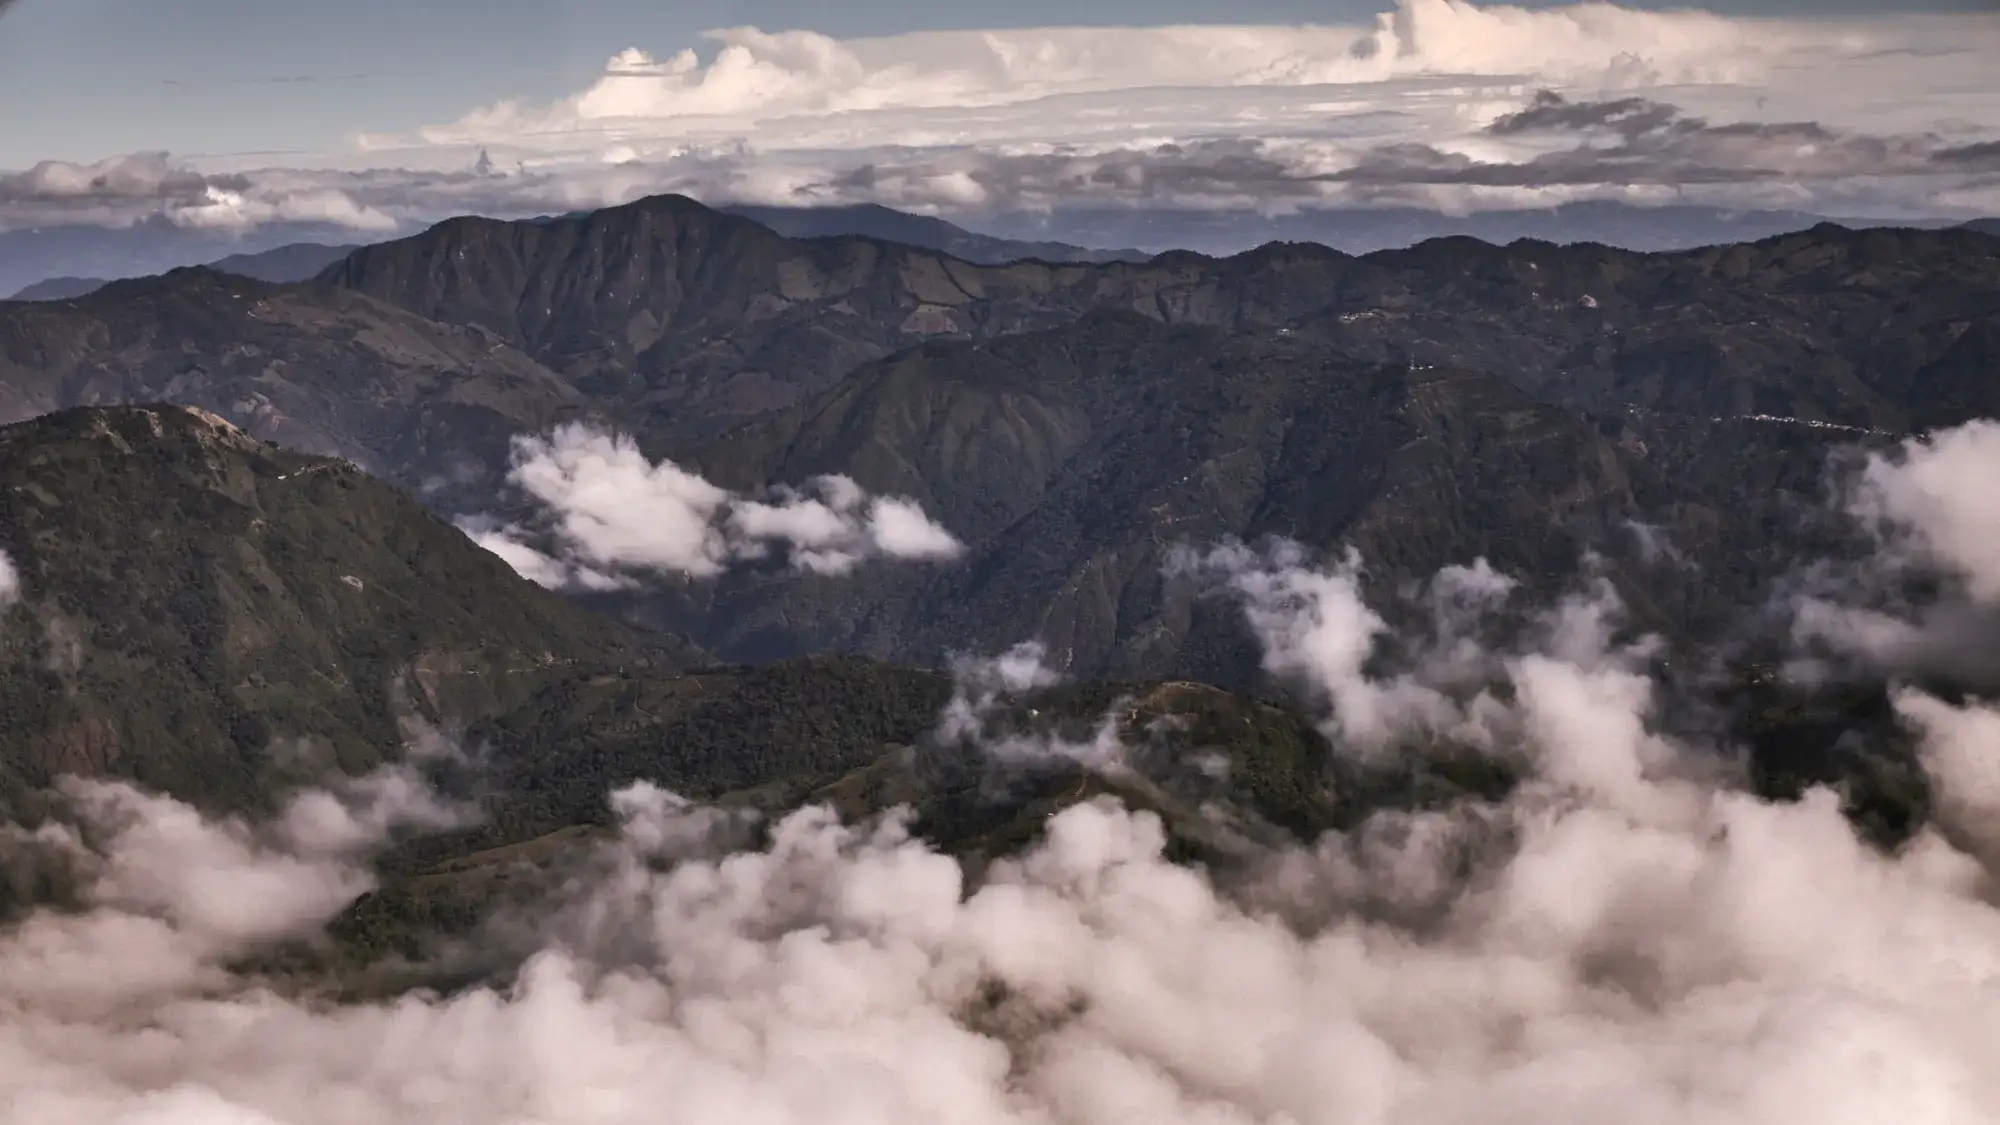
(1629, 936)
(1432, 104)
(167, 899)
(612, 513)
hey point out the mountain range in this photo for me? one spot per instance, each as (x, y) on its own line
(1367, 229)
(1071, 423)
(58, 263)
(152, 250)
(189, 595)
(243, 521)
(924, 231)
(221, 620)
(85, 252)
(224, 621)
(295, 261)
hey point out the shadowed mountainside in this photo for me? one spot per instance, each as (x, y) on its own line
(92, 252)
(1073, 422)
(706, 317)
(315, 369)
(1075, 462)
(197, 608)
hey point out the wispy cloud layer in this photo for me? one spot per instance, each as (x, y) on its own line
(1433, 104)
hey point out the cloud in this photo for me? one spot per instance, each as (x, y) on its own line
(614, 507)
(1317, 630)
(976, 715)
(1931, 495)
(832, 525)
(1423, 106)
(754, 77)
(508, 540)
(1930, 522)
(125, 189)
(1256, 117)
(613, 512)
(1623, 938)
(168, 897)
(1656, 142)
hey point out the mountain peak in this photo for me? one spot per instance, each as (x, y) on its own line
(129, 428)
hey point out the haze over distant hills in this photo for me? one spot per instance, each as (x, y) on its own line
(85, 252)
(51, 264)
(296, 261)
(148, 249)
(1365, 230)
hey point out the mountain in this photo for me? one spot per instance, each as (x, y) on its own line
(693, 321)
(297, 261)
(153, 246)
(1071, 422)
(200, 611)
(1366, 230)
(221, 620)
(1983, 226)
(1282, 781)
(886, 225)
(320, 370)
(1074, 461)
(59, 289)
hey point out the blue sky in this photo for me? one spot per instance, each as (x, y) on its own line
(84, 79)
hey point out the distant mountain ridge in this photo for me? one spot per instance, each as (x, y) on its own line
(1365, 230)
(46, 264)
(300, 261)
(32, 255)
(60, 289)
(927, 232)
(219, 618)
(296, 261)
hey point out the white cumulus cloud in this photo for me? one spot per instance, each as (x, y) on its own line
(1930, 510)
(612, 512)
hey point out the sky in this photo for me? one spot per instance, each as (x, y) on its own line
(238, 87)
(224, 75)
